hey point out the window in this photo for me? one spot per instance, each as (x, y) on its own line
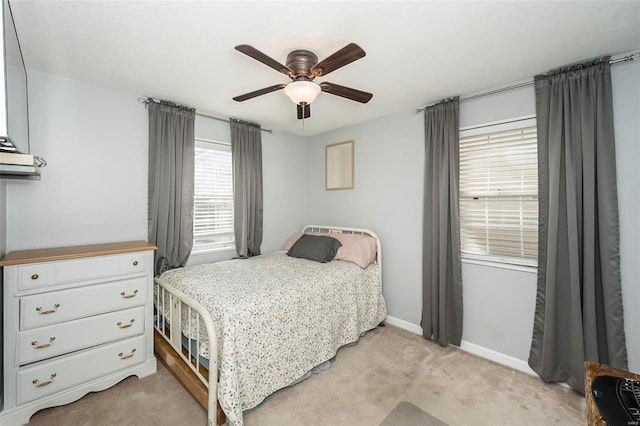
(499, 192)
(213, 197)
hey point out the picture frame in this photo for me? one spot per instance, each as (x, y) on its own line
(339, 166)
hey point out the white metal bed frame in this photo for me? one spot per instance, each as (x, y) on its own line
(171, 328)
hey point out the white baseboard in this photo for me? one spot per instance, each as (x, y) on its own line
(472, 348)
(405, 325)
(500, 358)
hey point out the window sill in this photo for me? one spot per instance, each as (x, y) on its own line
(213, 250)
(502, 264)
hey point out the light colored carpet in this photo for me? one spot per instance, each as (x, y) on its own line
(407, 414)
(157, 399)
(364, 384)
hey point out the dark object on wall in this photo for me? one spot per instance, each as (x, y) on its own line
(618, 399)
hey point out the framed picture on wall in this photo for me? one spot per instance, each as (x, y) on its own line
(339, 166)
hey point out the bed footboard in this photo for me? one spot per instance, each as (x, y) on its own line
(170, 305)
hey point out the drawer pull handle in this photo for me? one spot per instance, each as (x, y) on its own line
(135, 263)
(129, 296)
(35, 276)
(121, 325)
(123, 356)
(43, 345)
(37, 383)
(48, 311)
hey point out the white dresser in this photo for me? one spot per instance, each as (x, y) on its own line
(76, 320)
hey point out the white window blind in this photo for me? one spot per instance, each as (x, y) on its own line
(213, 197)
(499, 192)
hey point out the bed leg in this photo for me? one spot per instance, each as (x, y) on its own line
(221, 417)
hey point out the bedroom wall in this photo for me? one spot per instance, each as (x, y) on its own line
(3, 217)
(387, 198)
(3, 245)
(94, 188)
(625, 80)
(498, 303)
(284, 176)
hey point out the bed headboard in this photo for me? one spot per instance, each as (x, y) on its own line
(343, 230)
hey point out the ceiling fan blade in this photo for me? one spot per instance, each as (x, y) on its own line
(304, 110)
(346, 92)
(261, 57)
(259, 92)
(351, 52)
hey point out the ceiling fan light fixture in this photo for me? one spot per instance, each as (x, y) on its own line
(302, 91)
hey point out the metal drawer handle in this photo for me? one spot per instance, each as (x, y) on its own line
(43, 345)
(48, 311)
(123, 357)
(35, 276)
(121, 325)
(43, 384)
(135, 263)
(129, 296)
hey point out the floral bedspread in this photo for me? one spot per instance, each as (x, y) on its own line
(276, 317)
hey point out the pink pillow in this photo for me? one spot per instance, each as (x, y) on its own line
(358, 249)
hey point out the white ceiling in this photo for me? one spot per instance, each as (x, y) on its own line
(417, 51)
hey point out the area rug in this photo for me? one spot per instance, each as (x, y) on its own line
(407, 414)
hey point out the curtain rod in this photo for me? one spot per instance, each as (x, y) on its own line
(144, 100)
(527, 83)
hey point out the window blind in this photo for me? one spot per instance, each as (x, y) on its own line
(213, 197)
(499, 194)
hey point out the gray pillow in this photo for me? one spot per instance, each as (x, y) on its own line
(315, 247)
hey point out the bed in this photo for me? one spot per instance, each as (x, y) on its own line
(246, 328)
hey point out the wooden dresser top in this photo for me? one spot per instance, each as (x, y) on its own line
(73, 252)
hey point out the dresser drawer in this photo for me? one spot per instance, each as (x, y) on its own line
(46, 342)
(39, 275)
(61, 373)
(54, 307)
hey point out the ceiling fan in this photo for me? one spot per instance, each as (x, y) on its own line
(302, 68)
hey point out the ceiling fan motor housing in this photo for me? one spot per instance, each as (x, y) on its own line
(300, 62)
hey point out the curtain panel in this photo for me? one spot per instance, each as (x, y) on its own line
(246, 152)
(578, 314)
(442, 269)
(171, 168)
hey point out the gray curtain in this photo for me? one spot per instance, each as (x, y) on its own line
(578, 313)
(246, 152)
(442, 271)
(171, 162)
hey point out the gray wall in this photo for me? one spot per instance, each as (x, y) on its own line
(498, 303)
(94, 188)
(284, 170)
(387, 198)
(3, 217)
(625, 79)
(3, 245)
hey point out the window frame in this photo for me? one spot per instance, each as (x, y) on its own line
(226, 246)
(507, 262)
